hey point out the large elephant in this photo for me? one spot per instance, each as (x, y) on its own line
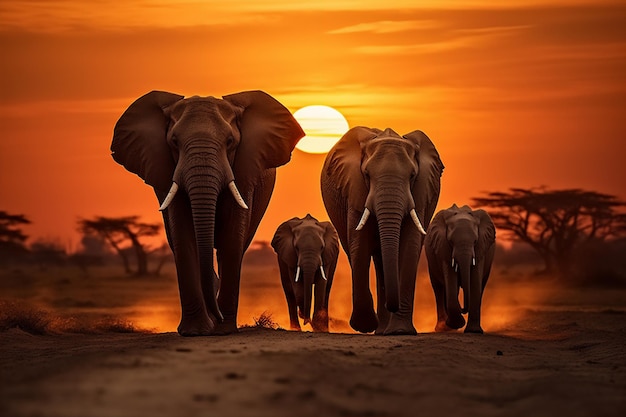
(190, 150)
(395, 179)
(460, 246)
(307, 252)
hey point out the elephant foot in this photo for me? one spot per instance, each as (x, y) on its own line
(364, 321)
(474, 328)
(295, 326)
(455, 321)
(226, 327)
(443, 327)
(196, 326)
(398, 326)
(320, 322)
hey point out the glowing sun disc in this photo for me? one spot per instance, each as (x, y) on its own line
(323, 126)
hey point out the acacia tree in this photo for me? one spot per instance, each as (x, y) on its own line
(123, 233)
(12, 238)
(555, 223)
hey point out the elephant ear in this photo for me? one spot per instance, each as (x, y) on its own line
(139, 139)
(282, 242)
(436, 232)
(428, 182)
(343, 164)
(269, 133)
(486, 231)
(331, 242)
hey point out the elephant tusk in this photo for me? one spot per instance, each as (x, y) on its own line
(297, 273)
(366, 214)
(452, 262)
(474, 261)
(237, 195)
(417, 222)
(323, 274)
(170, 196)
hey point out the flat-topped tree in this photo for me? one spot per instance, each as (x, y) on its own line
(555, 223)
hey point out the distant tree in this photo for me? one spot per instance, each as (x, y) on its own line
(94, 251)
(46, 252)
(260, 252)
(163, 255)
(12, 239)
(555, 223)
(118, 231)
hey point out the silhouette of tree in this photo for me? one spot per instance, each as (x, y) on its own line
(555, 223)
(94, 252)
(117, 231)
(11, 236)
(163, 255)
(46, 252)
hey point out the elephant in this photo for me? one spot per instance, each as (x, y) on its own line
(212, 164)
(460, 246)
(395, 179)
(307, 252)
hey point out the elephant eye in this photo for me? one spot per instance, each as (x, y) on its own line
(229, 141)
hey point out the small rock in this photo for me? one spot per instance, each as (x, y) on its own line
(499, 353)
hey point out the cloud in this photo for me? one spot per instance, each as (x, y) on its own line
(387, 26)
(467, 38)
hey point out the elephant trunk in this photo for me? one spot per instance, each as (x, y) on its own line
(390, 214)
(203, 187)
(464, 259)
(309, 269)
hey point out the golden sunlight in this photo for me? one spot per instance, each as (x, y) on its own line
(323, 126)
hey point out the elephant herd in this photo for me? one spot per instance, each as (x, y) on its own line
(212, 164)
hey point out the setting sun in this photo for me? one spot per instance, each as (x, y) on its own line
(323, 126)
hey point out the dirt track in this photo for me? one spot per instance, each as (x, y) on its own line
(557, 363)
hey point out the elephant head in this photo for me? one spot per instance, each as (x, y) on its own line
(310, 248)
(391, 177)
(201, 146)
(463, 239)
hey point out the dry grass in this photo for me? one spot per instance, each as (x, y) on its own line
(16, 315)
(264, 321)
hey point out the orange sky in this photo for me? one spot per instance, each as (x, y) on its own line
(516, 96)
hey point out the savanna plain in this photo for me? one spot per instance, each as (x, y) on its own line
(99, 342)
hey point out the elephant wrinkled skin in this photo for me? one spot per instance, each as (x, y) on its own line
(395, 181)
(212, 165)
(460, 247)
(307, 252)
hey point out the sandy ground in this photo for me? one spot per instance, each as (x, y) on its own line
(557, 363)
(547, 351)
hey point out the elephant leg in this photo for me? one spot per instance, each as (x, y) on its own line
(320, 310)
(401, 322)
(290, 296)
(455, 319)
(381, 311)
(440, 296)
(363, 318)
(195, 320)
(437, 281)
(236, 230)
(476, 293)
(228, 299)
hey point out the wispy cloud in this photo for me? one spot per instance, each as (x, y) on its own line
(387, 26)
(63, 15)
(461, 39)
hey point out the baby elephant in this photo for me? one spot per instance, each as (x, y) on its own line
(307, 253)
(460, 244)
